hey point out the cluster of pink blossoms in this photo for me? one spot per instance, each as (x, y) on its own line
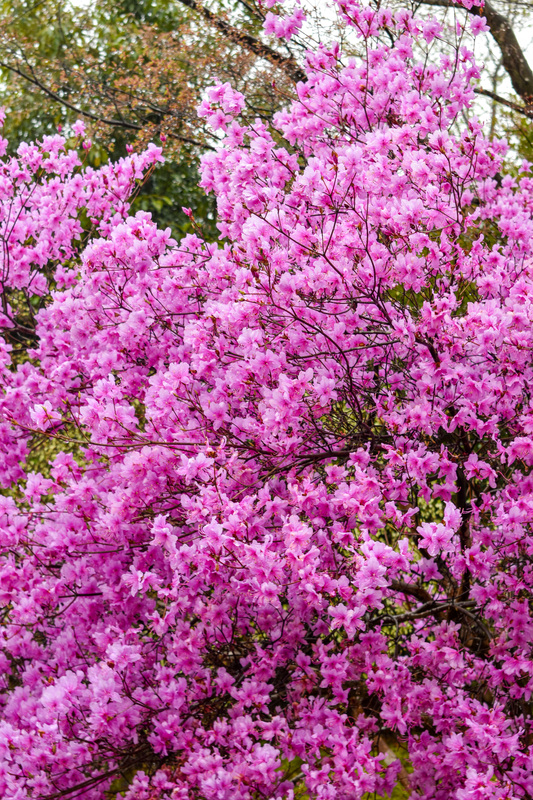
(286, 535)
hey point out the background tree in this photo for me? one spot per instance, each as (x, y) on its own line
(137, 70)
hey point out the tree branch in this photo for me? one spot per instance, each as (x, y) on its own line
(286, 63)
(513, 59)
(527, 112)
(412, 590)
(428, 609)
(31, 78)
(116, 123)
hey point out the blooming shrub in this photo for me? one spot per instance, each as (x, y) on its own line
(286, 533)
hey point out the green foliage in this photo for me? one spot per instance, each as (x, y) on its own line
(109, 38)
(136, 71)
(172, 186)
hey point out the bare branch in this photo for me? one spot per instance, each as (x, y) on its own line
(31, 78)
(116, 123)
(513, 58)
(434, 608)
(286, 63)
(527, 112)
(413, 590)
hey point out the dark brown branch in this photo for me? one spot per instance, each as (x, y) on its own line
(513, 59)
(136, 758)
(413, 590)
(435, 608)
(286, 63)
(527, 112)
(430, 347)
(31, 78)
(116, 123)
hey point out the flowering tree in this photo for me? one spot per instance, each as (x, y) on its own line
(285, 535)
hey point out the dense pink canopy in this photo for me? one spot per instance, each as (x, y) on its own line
(286, 533)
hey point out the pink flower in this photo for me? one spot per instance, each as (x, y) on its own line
(478, 25)
(78, 128)
(43, 416)
(435, 538)
(266, 500)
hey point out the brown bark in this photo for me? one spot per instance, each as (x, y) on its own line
(413, 590)
(526, 110)
(513, 59)
(286, 63)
